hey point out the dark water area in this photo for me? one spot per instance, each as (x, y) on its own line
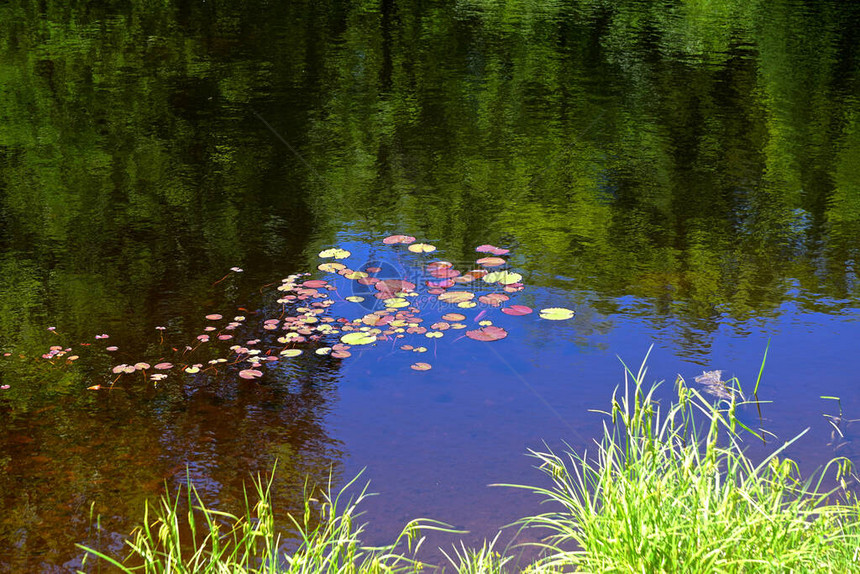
(683, 175)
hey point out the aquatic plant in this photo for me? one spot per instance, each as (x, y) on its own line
(671, 489)
(328, 316)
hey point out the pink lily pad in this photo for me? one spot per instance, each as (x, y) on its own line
(491, 261)
(392, 239)
(250, 374)
(163, 366)
(516, 310)
(488, 333)
(494, 299)
(213, 316)
(492, 249)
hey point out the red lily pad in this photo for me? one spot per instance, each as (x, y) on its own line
(438, 265)
(516, 310)
(213, 317)
(488, 333)
(250, 374)
(315, 283)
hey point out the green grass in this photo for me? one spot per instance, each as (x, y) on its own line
(666, 489)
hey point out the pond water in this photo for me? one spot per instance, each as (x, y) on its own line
(682, 175)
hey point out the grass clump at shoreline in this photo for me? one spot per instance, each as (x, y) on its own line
(672, 490)
(667, 489)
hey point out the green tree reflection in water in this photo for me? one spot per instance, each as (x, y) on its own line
(696, 158)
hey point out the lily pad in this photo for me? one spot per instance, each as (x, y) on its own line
(492, 249)
(213, 317)
(491, 261)
(291, 352)
(453, 317)
(392, 239)
(422, 248)
(335, 253)
(456, 296)
(488, 333)
(503, 277)
(516, 310)
(556, 313)
(358, 338)
(250, 374)
(421, 366)
(331, 267)
(494, 299)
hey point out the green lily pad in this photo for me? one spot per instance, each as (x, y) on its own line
(358, 338)
(335, 252)
(556, 313)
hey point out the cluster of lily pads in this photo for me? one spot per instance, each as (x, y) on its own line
(410, 312)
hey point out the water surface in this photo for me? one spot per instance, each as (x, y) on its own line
(682, 174)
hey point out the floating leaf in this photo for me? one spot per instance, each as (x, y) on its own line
(392, 239)
(467, 304)
(503, 277)
(453, 317)
(192, 370)
(396, 302)
(331, 267)
(354, 299)
(112, 348)
(438, 265)
(291, 352)
(358, 338)
(488, 333)
(335, 253)
(421, 248)
(516, 310)
(492, 249)
(341, 354)
(250, 374)
(456, 296)
(494, 299)
(141, 366)
(491, 261)
(433, 334)
(556, 313)
(213, 317)
(323, 351)
(163, 366)
(314, 283)
(421, 366)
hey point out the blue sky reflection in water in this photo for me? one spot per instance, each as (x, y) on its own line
(682, 177)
